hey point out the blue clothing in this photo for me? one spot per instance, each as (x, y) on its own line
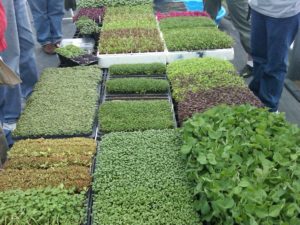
(47, 16)
(20, 57)
(270, 42)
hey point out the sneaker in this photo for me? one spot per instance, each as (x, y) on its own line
(49, 49)
(246, 71)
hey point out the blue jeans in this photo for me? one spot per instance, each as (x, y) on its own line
(270, 42)
(20, 57)
(47, 17)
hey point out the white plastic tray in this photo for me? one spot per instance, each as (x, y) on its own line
(106, 60)
(226, 54)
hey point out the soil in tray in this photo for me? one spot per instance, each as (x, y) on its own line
(83, 60)
(86, 59)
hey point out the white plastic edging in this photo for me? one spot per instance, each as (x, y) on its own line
(106, 60)
(226, 54)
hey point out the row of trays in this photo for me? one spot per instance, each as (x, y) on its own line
(96, 132)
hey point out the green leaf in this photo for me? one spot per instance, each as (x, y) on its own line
(261, 212)
(211, 158)
(244, 183)
(256, 179)
(186, 149)
(274, 210)
(253, 221)
(202, 159)
(225, 203)
(205, 208)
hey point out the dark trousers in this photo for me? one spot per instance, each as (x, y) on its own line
(270, 42)
(3, 148)
(212, 7)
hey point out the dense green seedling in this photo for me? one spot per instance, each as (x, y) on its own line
(130, 29)
(128, 17)
(192, 75)
(135, 115)
(87, 26)
(186, 22)
(98, 3)
(136, 86)
(64, 102)
(189, 39)
(130, 41)
(138, 69)
(88, 4)
(70, 51)
(140, 179)
(244, 163)
(77, 177)
(193, 67)
(42, 206)
(51, 153)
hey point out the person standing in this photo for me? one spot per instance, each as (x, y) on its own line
(47, 16)
(20, 57)
(274, 27)
(239, 11)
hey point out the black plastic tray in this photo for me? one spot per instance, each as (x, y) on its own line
(111, 97)
(169, 98)
(69, 62)
(138, 76)
(90, 193)
(133, 96)
(92, 134)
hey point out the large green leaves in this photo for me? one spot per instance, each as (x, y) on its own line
(244, 162)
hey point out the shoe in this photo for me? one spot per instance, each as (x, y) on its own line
(49, 49)
(57, 45)
(246, 71)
